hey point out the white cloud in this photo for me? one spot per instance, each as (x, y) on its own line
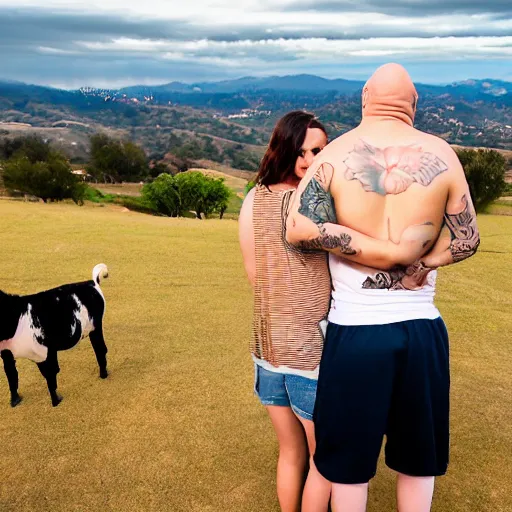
(445, 48)
(210, 39)
(156, 9)
(269, 14)
(48, 50)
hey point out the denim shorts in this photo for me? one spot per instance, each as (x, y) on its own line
(273, 388)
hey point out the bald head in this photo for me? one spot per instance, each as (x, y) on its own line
(390, 93)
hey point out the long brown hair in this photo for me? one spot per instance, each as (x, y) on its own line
(278, 164)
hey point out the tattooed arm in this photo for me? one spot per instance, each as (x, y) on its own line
(459, 238)
(312, 225)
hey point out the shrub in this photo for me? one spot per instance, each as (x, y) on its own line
(49, 180)
(202, 194)
(137, 204)
(163, 195)
(485, 172)
(190, 191)
(93, 195)
(249, 186)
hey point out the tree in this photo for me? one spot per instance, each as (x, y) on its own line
(188, 191)
(210, 151)
(192, 188)
(113, 160)
(218, 196)
(163, 195)
(135, 162)
(49, 180)
(188, 151)
(202, 194)
(33, 147)
(158, 168)
(485, 172)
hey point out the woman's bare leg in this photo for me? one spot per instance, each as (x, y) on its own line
(317, 490)
(293, 455)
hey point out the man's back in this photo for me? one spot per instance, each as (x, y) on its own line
(384, 196)
(381, 194)
(384, 184)
(388, 178)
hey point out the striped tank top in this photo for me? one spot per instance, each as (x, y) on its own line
(291, 292)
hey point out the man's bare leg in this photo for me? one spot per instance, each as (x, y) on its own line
(414, 493)
(317, 490)
(349, 497)
(293, 455)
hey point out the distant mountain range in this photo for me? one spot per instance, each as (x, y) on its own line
(315, 85)
(294, 83)
(471, 90)
(243, 112)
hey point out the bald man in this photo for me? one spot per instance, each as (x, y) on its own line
(380, 195)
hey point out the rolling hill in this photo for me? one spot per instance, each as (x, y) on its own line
(228, 123)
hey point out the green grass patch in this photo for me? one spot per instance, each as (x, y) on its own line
(176, 427)
(132, 202)
(500, 207)
(96, 196)
(235, 204)
(123, 189)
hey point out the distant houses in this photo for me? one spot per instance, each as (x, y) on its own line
(82, 173)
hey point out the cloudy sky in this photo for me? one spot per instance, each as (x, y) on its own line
(122, 42)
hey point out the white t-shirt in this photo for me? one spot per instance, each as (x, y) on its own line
(367, 296)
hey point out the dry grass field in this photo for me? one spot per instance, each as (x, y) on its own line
(175, 427)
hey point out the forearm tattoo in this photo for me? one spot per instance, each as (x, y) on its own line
(327, 241)
(464, 243)
(413, 277)
(316, 202)
(463, 231)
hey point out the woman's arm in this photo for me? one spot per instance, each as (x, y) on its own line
(246, 236)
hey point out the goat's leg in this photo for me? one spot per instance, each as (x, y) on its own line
(12, 376)
(100, 349)
(49, 369)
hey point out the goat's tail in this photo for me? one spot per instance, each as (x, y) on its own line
(99, 272)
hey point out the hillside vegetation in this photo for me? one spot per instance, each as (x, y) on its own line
(230, 123)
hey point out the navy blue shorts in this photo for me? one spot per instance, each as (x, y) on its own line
(383, 380)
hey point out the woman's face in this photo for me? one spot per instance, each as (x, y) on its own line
(314, 142)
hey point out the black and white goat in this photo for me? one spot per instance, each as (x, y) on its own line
(37, 326)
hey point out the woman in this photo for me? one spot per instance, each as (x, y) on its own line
(291, 301)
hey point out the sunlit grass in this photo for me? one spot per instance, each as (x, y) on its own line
(175, 427)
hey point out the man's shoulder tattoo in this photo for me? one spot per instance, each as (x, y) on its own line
(392, 170)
